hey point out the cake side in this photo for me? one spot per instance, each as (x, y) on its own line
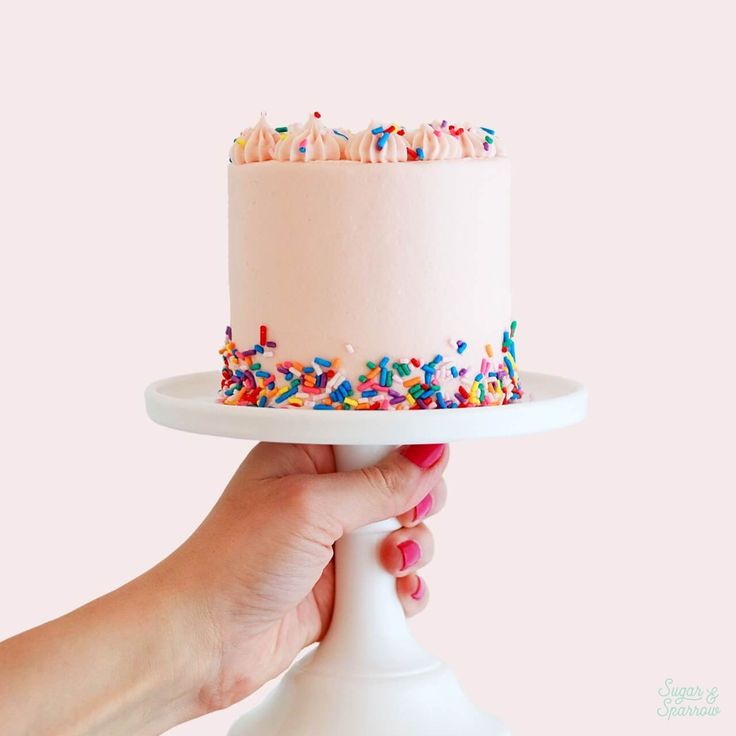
(390, 281)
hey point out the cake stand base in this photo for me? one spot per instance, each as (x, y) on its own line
(369, 676)
(424, 703)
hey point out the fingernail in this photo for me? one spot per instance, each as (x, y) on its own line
(425, 456)
(423, 508)
(418, 594)
(410, 553)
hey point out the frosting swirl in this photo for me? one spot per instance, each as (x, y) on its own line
(476, 142)
(378, 144)
(343, 139)
(255, 144)
(312, 142)
(435, 143)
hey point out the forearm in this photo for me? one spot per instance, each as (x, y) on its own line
(123, 664)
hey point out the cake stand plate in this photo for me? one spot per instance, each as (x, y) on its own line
(368, 677)
(187, 403)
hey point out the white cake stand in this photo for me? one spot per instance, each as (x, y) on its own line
(369, 677)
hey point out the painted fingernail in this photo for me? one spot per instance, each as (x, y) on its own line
(418, 594)
(410, 553)
(425, 456)
(423, 508)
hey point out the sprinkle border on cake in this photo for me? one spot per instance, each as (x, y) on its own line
(386, 385)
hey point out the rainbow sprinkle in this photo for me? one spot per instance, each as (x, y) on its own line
(382, 135)
(386, 384)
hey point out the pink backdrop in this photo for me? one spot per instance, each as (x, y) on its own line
(575, 571)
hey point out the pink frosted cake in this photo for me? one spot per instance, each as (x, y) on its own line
(369, 270)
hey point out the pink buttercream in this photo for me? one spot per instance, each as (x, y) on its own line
(342, 137)
(472, 140)
(318, 143)
(437, 143)
(313, 141)
(363, 146)
(437, 221)
(255, 144)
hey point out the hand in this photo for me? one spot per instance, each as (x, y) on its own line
(258, 573)
(231, 608)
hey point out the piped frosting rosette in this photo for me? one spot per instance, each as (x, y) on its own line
(476, 142)
(378, 144)
(435, 142)
(342, 136)
(311, 142)
(255, 144)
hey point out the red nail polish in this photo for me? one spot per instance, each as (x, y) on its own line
(425, 456)
(422, 509)
(418, 594)
(410, 553)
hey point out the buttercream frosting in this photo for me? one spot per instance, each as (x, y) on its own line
(378, 144)
(476, 142)
(311, 142)
(255, 144)
(434, 143)
(439, 232)
(427, 326)
(343, 138)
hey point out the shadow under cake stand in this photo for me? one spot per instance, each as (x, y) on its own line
(369, 677)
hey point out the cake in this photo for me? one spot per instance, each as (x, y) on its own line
(369, 270)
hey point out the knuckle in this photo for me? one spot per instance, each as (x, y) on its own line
(311, 518)
(300, 497)
(383, 479)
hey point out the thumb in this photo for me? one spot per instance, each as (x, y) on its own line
(396, 484)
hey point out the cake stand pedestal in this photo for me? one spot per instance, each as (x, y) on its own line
(369, 677)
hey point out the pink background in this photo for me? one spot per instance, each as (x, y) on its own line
(575, 571)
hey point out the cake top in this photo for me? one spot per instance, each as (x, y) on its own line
(378, 143)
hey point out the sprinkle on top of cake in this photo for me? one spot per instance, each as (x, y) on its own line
(378, 143)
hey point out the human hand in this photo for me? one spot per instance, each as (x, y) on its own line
(258, 573)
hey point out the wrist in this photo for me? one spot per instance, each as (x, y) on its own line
(132, 661)
(186, 648)
(217, 658)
